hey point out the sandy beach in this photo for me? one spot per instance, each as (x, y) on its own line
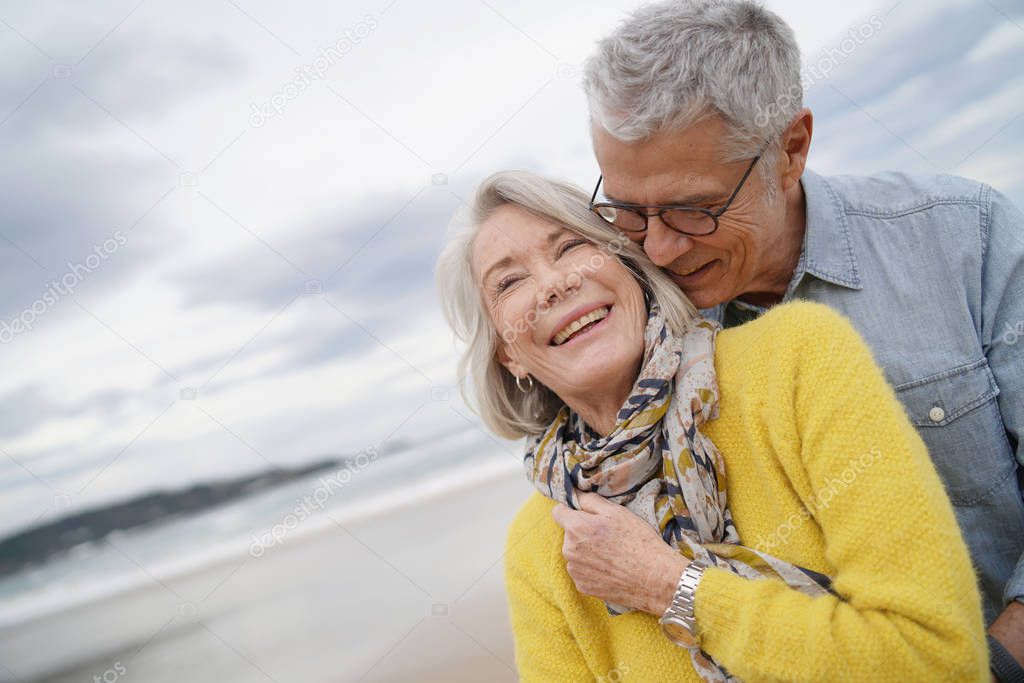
(413, 593)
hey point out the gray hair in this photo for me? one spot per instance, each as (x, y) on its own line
(671, 64)
(505, 409)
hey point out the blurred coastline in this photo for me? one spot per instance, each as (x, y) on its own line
(406, 572)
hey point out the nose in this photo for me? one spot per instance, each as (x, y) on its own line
(663, 244)
(556, 284)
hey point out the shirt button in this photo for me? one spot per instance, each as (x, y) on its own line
(936, 414)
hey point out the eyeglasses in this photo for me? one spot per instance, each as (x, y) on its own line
(689, 220)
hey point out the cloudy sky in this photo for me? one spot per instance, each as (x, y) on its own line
(245, 266)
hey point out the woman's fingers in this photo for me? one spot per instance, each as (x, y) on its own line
(561, 514)
(614, 555)
(595, 503)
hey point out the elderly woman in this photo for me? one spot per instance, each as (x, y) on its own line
(806, 530)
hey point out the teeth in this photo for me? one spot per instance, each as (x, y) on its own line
(693, 270)
(580, 323)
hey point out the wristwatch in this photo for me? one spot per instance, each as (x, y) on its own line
(678, 622)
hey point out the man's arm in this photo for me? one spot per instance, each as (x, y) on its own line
(1003, 337)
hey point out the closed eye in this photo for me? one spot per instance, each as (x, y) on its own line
(571, 244)
(506, 282)
(510, 280)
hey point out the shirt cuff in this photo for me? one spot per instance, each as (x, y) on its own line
(1015, 586)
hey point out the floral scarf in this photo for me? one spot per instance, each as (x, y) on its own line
(659, 465)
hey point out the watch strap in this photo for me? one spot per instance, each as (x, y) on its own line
(1003, 665)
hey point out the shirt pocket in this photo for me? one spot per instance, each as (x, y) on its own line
(957, 416)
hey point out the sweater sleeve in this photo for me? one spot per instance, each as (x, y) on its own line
(909, 609)
(545, 648)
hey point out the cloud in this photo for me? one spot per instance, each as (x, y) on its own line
(928, 109)
(210, 290)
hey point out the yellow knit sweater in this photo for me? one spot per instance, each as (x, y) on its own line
(824, 470)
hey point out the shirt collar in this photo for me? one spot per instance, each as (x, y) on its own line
(828, 249)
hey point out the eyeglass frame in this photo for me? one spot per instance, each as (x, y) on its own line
(659, 210)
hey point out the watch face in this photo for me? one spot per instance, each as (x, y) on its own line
(678, 634)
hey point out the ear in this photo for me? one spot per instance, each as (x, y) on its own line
(796, 143)
(505, 357)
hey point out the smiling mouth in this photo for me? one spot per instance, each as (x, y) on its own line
(581, 325)
(694, 273)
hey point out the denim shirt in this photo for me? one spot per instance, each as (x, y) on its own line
(930, 270)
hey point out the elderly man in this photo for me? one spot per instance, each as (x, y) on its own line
(702, 139)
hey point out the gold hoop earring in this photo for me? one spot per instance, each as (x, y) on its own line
(529, 384)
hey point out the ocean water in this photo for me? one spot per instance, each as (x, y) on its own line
(181, 545)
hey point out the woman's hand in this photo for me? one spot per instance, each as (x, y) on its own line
(612, 554)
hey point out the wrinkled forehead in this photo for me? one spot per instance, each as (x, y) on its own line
(511, 233)
(672, 167)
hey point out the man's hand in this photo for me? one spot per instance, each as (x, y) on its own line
(612, 554)
(1008, 629)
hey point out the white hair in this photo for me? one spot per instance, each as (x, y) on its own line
(505, 409)
(671, 64)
